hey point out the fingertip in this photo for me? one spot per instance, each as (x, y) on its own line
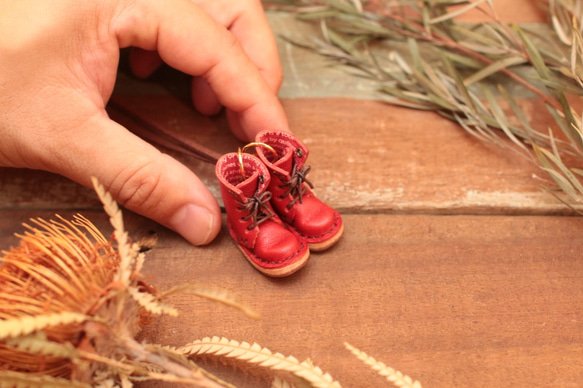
(197, 224)
(237, 82)
(155, 185)
(245, 129)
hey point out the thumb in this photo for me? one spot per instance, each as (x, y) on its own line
(142, 179)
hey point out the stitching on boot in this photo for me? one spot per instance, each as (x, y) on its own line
(238, 240)
(284, 260)
(335, 225)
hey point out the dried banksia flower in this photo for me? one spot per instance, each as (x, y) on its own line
(60, 270)
(71, 304)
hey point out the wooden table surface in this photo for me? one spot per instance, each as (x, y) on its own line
(455, 267)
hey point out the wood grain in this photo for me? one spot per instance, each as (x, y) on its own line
(450, 300)
(366, 156)
(515, 11)
(455, 267)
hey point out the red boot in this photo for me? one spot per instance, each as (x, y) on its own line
(318, 224)
(259, 233)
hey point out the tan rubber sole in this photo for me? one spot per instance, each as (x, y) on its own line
(318, 247)
(279, 272)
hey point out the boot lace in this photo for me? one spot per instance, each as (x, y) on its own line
(295, 185)
(258, 209)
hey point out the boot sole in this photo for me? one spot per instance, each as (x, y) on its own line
(282, 271)
(322, 246)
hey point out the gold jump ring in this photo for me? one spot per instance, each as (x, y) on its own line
(254, 144)
(241, 166)
(262, 145)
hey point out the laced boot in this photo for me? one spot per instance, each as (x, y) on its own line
(258, 232)
(318, 224)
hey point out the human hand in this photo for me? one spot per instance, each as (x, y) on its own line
(246, 20)
(58, 63)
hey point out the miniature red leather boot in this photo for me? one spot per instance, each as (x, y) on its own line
(258, 232)
(318, 224)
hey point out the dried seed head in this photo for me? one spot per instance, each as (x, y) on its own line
(59, 267)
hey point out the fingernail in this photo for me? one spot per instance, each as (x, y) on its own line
(194, 223)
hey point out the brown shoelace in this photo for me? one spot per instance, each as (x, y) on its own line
(295, 185)
(258, 209)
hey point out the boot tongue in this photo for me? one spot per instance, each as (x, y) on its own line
(250, 185)
(285, 163)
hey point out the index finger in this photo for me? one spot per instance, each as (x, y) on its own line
(191, 41)
(246, 19)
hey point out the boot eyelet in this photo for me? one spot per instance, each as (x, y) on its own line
(299, 152)
(261, 179)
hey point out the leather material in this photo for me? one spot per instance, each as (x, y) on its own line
(292, 199)
(254, 226)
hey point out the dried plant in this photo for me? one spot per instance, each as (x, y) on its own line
(72, 303)
(255, 354)
(458, 69)
(394, 376)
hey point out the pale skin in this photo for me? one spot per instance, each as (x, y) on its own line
(58, 63)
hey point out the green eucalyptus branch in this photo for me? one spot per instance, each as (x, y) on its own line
(436, 63)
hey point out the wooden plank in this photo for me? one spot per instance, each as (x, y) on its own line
(366, 157)
(515, 11)
(34, 189)
(401, 161)
(450, 300)
(369, 156)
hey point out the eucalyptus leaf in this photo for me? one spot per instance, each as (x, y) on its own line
(494, 68)
(316, 15)
(347, 7)
(500, 117)
(530, 133)
(461, 86)
(456, 13)
(452, 68)
(463, 61)
(469, 35)
(563, 183)
(534, 55)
